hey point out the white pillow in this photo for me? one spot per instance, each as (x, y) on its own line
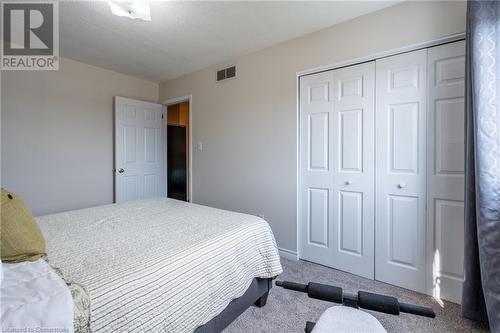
(34, 298)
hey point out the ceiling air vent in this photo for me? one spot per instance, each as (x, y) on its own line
(226, 73)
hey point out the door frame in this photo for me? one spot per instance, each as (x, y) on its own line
(423, 45)
(173, 101)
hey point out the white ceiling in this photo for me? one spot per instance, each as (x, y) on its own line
(185, 36)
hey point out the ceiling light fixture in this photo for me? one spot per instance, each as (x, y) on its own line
(135, 9)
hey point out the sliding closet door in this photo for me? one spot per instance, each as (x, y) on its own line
(400, 169)
(445, 170)
(337, 169)
(353, 169)
(316, 177)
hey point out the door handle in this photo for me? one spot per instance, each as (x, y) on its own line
(347, 182)
(402, 185)
(121, 170)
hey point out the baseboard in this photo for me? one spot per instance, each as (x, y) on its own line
(288, 254)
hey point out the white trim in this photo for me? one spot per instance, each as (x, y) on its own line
(298, 212)
(288, 254)
(409, 48)
(177, 100)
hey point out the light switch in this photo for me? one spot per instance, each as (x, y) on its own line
(200, 146)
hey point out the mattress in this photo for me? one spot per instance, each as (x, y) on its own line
(159, 264)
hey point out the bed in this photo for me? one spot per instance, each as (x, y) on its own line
(163, 265)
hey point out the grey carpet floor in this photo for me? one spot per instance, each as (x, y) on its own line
(287, 311)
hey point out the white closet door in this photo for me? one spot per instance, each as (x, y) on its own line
(400, 170)
(353, 169)
(337, 169)
(445, 170)
(316, 178)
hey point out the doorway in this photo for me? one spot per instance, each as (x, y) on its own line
(178, 150)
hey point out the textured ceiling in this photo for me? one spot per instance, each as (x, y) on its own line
(186, 36)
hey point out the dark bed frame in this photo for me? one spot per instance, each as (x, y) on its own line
(256, 295)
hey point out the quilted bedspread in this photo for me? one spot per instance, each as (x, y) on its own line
(159, 264)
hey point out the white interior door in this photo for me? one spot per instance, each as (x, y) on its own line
(139, 153)
(316, 174)
(353, 169)
(401, 170)
(337, 169)
(445, 170)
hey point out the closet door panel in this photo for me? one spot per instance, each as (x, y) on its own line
(403, 222)
(351, 140)
(445, 171)
(316, 176)
(318, 136)
(317, 216)
(353, 169)
(400, 169)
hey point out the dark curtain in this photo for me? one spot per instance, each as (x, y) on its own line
(481, 289)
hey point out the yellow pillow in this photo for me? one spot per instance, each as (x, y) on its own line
(21, 239)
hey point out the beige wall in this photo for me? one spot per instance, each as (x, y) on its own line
(57, 134)
(248, 126)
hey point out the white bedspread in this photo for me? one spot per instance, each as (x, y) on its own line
(34, 298)
(159, 264)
